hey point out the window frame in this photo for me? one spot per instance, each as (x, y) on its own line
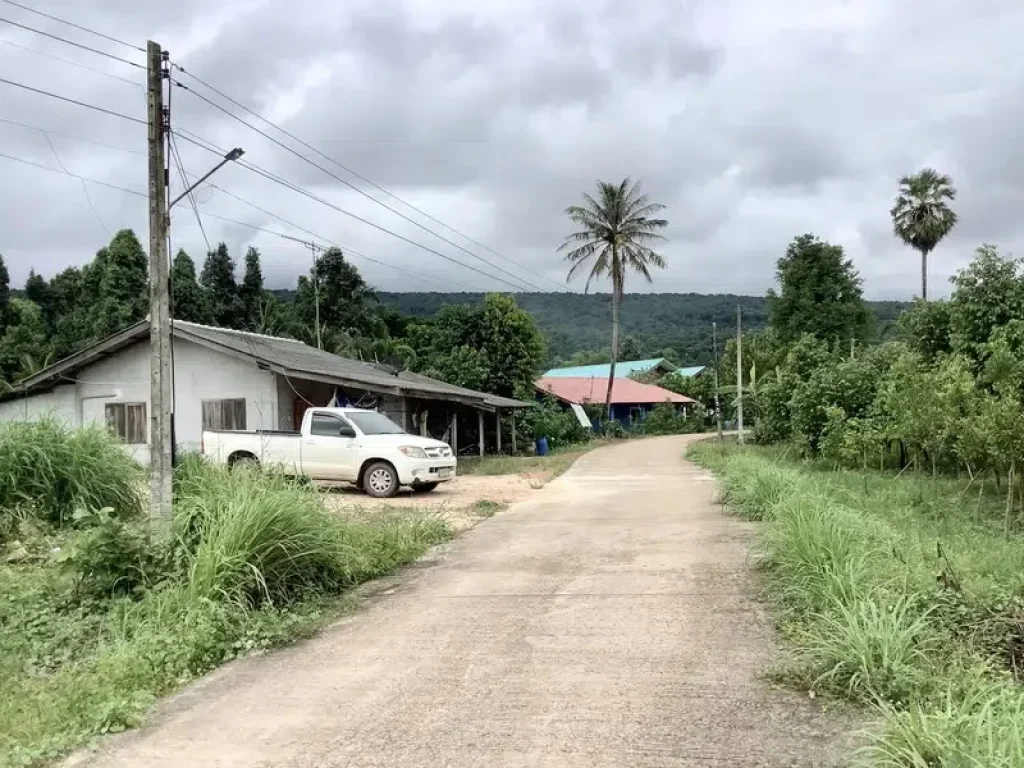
(229, 413)
(130, 430)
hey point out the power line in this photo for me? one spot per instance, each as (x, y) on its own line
(357, 189)
(76, 26)
(296, 188)
(73, 101)
(184, 180)
(227, 219)
(362, 178)
(70, 42)
(85, 189)
(70, 136)
(72, 63)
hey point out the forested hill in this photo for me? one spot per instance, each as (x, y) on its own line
(651, 322)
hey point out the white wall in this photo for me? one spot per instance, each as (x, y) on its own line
(199, 374)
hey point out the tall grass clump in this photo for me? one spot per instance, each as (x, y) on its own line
(979, 727)
(899, 592)
(253, 537)
(52, 470)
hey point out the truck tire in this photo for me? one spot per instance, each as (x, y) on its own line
(380, 480)
(424, 487)
(243, 459)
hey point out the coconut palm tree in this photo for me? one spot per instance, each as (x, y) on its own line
(615, 237)
(921, 216)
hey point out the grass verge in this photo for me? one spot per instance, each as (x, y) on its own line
(97, 619)
(550, 466)
(903, 593)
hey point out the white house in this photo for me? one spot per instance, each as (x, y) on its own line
(225, 379)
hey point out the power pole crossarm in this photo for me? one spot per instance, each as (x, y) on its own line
(160, 457)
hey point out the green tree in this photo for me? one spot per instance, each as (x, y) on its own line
(189, 300)
(23, 342)
(987, 295)
(819, 293)
(927, 328)
(251, 291)
(218, 278)
(921, 216)
(615, 237)
(496, 345)
(121, 279)
(346, 303)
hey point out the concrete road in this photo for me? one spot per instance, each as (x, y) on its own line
(608, 621)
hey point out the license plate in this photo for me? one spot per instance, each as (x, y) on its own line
(444, 472)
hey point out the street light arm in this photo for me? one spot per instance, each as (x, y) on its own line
(234, 154)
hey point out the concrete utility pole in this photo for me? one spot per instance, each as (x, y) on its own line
(313, 249)
(718, 406)
(160, 457)
(739, 371)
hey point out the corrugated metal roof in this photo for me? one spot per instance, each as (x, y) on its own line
(623, 369)
(594, 390)
(693, 370)
(285, 356)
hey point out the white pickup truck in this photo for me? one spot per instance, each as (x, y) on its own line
(342, 445)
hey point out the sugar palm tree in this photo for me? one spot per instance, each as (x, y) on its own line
(922, 216)
(615, 237)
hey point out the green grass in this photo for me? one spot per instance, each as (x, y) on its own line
(554, 464)
(49, 470)
(904, 593)
(250, 561)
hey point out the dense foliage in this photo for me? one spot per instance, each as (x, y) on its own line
(493, 345)
(99, 614)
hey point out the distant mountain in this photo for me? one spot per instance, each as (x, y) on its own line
(676, 322)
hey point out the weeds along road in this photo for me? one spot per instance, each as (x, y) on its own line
(608, 621)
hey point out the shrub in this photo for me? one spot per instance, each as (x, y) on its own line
(252, 537)
(54, 470)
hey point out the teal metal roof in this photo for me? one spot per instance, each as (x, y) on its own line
(623, 369)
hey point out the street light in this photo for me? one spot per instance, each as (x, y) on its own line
(234, 154)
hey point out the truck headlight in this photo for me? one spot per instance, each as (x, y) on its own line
(413, 452)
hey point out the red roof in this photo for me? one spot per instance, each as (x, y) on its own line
(593, 390)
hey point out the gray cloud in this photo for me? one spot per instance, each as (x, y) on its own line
(753, 122)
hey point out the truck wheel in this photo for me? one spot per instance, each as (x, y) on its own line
(243, 459)
(424, 487)
(380, 480)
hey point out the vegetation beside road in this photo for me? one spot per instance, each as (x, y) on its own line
(904, 593)
(99, 615)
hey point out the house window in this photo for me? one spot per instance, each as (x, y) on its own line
(224, 414)
(127, 421)
(636, 414)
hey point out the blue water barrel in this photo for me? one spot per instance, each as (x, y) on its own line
(542, 446)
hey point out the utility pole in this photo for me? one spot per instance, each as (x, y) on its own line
(160, 458)
(718, 406)
(739, 370)
(313, 249)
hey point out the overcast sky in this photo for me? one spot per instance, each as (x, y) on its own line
(751, 120)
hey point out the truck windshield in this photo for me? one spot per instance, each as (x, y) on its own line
(373, 423)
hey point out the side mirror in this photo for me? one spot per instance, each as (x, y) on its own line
(346, 431)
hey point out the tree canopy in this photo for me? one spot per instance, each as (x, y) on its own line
(819, 294)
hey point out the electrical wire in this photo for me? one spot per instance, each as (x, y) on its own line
(296, 188)
(76, 26)
(184, 180)
(362, 192)
(72, 63)
(85, 189)
(70, 136)
(73, 101)
(365, 180)
(211, 215)
(70, 42)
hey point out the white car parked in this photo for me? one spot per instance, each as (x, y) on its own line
(342, 445)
